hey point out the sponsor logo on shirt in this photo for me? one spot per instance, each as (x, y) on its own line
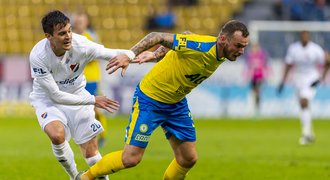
(182, 42)
(74, 67)
(38, 71)
(68, 81)
(44, 115)
(199, 46)
(142, 138)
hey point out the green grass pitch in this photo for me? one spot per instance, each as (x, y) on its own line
(228, 149)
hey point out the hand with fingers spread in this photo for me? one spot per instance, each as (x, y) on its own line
(120, 61)
(106, 103)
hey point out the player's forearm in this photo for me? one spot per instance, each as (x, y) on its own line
(326, 65)
(107, 53)
(160, 52)
(152, 39)
(325, 70)
(286, 72)
(64, 98)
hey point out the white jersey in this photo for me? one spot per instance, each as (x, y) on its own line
(61, 79)
(305, 60)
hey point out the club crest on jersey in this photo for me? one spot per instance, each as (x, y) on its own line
(74, 67)
(143, 128)
(44, 115)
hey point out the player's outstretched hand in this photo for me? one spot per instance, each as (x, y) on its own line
(120, 61)
(106, 103)
(146, 56)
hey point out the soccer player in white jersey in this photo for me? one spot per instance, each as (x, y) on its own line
(63, 107)
(306, 57)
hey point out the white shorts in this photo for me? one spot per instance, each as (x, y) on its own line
(79, 121)
(304, 88)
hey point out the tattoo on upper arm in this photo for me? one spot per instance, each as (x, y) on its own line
(161, 52)
(152, 39)
(167, 40)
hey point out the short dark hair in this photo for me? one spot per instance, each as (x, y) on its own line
(52, 19)
(232, 26)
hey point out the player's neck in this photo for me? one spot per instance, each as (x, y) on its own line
(58, 52)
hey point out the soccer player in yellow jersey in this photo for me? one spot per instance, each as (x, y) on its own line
(159, 99)
(92, 70)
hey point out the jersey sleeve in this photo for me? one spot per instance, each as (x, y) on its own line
(98, 51)
(192, 43)
(38, 67)
(49, 85)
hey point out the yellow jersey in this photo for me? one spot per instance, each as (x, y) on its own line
(92, 70)
(193, 59)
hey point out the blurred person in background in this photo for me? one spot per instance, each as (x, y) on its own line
(257, 69)
(307, 10)
(315, 10)
(306, 57)
(183, 2)
(63, 106)
(159, 99)
(163, 21)
(92, 71)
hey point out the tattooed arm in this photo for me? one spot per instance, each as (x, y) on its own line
(148, 56)
(149, 41)
(157, 55)
(162, 50)
(152, 39)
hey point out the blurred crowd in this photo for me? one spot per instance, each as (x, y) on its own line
(302, 10)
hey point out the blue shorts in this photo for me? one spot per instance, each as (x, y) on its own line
(147, 114)
(92, 87)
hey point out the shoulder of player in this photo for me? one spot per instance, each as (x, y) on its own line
(315, 44)
(199, 37)
(39, 51)
(77, 39)
(295, 44)
(79, 43)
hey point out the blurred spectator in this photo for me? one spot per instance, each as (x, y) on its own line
(257, 68)
(183, 2)
(164, 21)
(315, 10)
(278, 9)
(296, 10)
(306, 10)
